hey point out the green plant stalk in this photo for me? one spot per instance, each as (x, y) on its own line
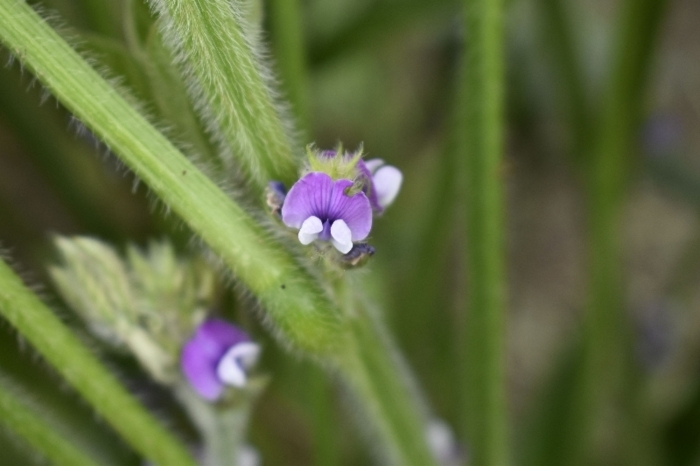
(482, 129)
(287, 39)
(559, 37)
(605, 334)
(376, 379)
(299, 309)
(294, 305)
(57, 344)
(23, 421)
(376, 24)
(228, 80)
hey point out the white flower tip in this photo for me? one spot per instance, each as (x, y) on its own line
(387, 182)
(341, 236)
(233, 364)
(310, 230)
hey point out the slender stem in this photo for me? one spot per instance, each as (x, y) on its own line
(24, 421)
(288, 47)
(294, 302)
(605, 335)
(55, 342)
(387, 399)
(230, 83)
(559, 37)
(482, 127)
(380, 20)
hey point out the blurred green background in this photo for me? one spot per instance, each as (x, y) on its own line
(384, 73)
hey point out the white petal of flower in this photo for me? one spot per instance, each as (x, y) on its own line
(232, 366)
(387, 182)
(310, 229)
(341, 236)
(374, 164)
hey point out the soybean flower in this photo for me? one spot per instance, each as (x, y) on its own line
(217, 355)
(335, 200)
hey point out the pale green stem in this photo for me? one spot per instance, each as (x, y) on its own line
(222, 426)
(57, 344)
(377, 381)
(228, 80)
(294, 303)
(482, 144)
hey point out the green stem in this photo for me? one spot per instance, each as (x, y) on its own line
(230, 81)
(294, 303)
(389, 401)
(482, 127)
(22, 420)
(55, 342)
(287, 39)
(605, 339)
(379, 22)
(558, 35)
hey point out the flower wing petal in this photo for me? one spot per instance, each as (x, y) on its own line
(387, 183)
(308, 197)
(354, 210)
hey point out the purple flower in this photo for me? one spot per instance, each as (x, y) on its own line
(382, 184)
(217, 355)
(320, 208)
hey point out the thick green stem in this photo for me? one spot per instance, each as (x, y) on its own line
(23, 421)
(229, 82)
(57, 344)
(482, 129)
(294, 302)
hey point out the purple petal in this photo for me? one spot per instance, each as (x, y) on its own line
(365, 171)
(201, 354)
(355, 210)
(308, 197)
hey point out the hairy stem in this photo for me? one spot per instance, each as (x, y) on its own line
(57, 344)
(295, 304)
(229, 82)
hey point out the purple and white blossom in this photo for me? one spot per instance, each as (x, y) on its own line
(217, 355)
(322, 209)
(383, 183)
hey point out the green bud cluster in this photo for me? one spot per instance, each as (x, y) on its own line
(148, 303)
